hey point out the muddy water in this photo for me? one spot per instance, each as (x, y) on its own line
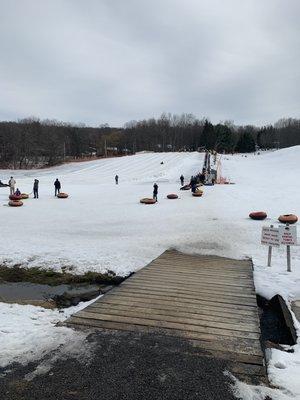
(30, 293)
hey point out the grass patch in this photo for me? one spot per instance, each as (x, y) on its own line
(53, 278)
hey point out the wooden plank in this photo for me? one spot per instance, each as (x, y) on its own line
(176, 255)
(164, 268)
(167, 305)
(185, 293)
(180, 275)
(228, 282)
(199, 267)
(189, 273)
(233, 348)
(183, 301)
(208, 314)
(199, 263)
(195, 282)
(191, 319)
(164, 324)
(188, 270)
(190, 288)
(229, 344)
(231, 300)
(195, 262)
(242, 368)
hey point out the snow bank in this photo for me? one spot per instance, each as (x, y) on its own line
(28, 333)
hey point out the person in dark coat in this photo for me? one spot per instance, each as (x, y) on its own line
(202, 177)
(17, 192)
(182, 180)
(57, 186)
(155, 191)
(36, 188)
(194, 187)
(117, 179)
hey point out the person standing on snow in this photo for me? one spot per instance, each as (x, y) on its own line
(182, 180)
(57, 186)
(117, 179)
(155, 191)
(12, 184)
(36, 189)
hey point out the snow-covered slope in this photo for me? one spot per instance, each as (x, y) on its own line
(103, 226)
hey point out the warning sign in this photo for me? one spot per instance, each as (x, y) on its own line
(270, 236)
(288, 235)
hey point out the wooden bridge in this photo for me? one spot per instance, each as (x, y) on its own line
(208, 300)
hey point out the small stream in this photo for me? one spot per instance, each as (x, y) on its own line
(49, 296)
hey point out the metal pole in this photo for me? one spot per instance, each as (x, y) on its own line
(270, 252)
(288, 255)
(269, 256)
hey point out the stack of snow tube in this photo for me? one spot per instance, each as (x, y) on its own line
(172, 196)
(15, 203)
(62, 195)
(185, 187)
(258, 215)
(198, 193)
(24, 196)
(288, 219)
(147, 200)
(15, 197)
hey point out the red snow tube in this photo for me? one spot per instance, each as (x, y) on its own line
(62, 195)
(288, 219)
(15, 197)
(198, 193)
(148, 201)
(15, 203)
(172, 196)
(258, 215)
(24, 196)
(185, 187)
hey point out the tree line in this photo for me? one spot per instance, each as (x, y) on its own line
(32, 143)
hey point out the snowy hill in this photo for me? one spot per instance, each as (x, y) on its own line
(102, 225)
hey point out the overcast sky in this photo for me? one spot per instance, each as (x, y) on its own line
(112, 61)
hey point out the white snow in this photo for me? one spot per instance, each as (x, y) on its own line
(27, 333)
(102, 226)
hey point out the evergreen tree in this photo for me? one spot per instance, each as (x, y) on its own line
(208, 137)
(225, 138)
(246, 143)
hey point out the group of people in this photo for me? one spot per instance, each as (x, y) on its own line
(13, 191)
(194, 181)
